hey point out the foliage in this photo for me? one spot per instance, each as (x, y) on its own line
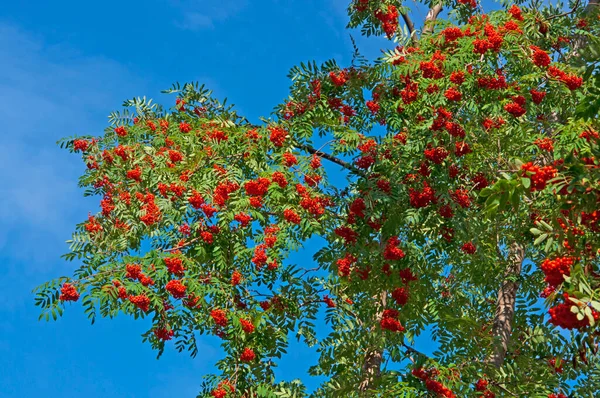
(468, 144)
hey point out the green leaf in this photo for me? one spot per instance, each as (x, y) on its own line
(540, 239)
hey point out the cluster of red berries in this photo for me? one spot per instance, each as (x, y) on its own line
(489, 123)
(219, 317)
(410, 93)
(436, 155)
(452, 94)
(462, 148)
(80, 145)
(493, 83)
(446, 211)
(236, 278)
(537, 96)
(373, 106)
(279, 178)
(134, 271)
(185, 127)
(555, 269)
(247, 355)
(389, 321)
(175, 265)
(540, 57)
(243, 218)
(135, 174)
(163, 333)
(196, 200)
(492, 40)
(461, 197)
(278, 136)
(452, 34)
(482, 386)
(422, 198)
(573, 82)
(479, 181)
(469, 248)
(68, 293)
(220, 391)
(121, 131)
(347, 233)
(392, 251)
(364, 162)
(517, 106)
(431, 384)
(545, 144)
(222, 192)
(589, 135)
(400, 295)
(291, 216)
(388, 19)
(260, 256)
(327, 300)
(345, 264)
(257, 187)
(141, 301)
(191, 301)
(176, 288)
(470, 3)
(152, 213)
(561, 315)
(93, 226)
(539, 176)
(431, 70)
(247, 326)
(340, 78)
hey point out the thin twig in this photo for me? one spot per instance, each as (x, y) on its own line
(564, 14)
(181, 246)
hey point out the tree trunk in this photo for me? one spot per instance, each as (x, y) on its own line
(505, 306)
(372, 366)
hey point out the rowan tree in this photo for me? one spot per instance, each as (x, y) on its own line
(469, 208)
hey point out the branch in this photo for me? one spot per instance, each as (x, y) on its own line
(409, 349)
(589, 8)
(181, 246)
(564, 14)
(432, 15)
(500, 386)
(331, 158)
(409, 24)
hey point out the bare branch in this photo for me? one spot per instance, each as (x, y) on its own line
(409, 24)
(331, 158)
(409, 349)
(564, 14)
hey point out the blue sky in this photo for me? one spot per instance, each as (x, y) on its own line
(63, 67)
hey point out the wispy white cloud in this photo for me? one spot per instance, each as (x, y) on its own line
(205, 14)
